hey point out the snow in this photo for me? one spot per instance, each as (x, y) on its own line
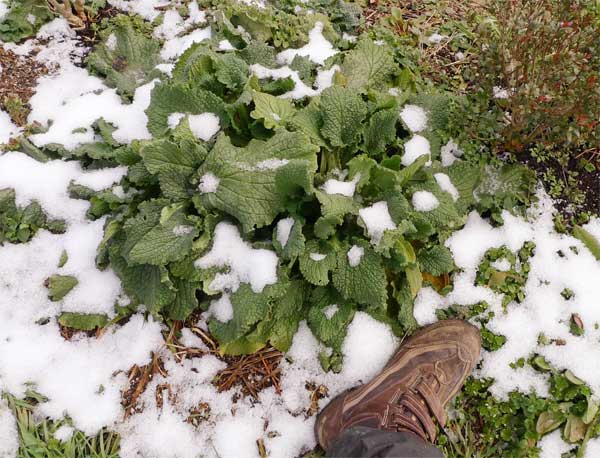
(111, 42)
(7, 129)
(330, 310)
(208, 183)
(502, 265)
(284, 227)
(176, 46)
(9, 442)
(445, 184)
(377, 220)
(3, 8)
(553, 446)
(55, 45)
(317, 256)
(68, 373)
(414, 117)
(344, 188)
(424, 201)
(414, 148)
(355, 254)
(145, 8)
(221, 309)
(204, 126)
(225, 45)
(189, 339)
(48, 182)
(369, 344)
(436, 38)
(592, 450)
(323, 80)
(73, 100)
(247, 265)
(64, 433)
(182, 230)
(500, 92)
(450, 152)
(544, 310)
(318, 49)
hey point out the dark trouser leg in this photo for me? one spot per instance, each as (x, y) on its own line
(362, 442)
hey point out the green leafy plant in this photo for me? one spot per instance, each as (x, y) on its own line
(19, 225)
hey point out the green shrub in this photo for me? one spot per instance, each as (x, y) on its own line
(540, 63)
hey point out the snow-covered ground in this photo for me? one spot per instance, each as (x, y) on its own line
(84, 378)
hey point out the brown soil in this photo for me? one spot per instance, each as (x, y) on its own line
(18, 82)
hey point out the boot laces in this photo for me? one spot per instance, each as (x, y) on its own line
(415, 408)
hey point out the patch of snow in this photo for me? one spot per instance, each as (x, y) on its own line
(247, 265)
(148, 9)
(377, 220)
(9, 437)
(414, 117)
(204, 126)
(221, 309)
(368, 346)
(73, 100)
(323, 80)
(208, 183)
(191, 340)
(592, 449)
(424, 201)
(225, 45)
(182, 230)
(317, 256)
(3, 8)
(349, 38)
(501, 265)
(553, 446)
(174, 119)
(500, 92)
(318, 49)
(414, 148)
(344, 188)
(47, 183)
(436, 38)
(175, 47)
(330, 310)
(111, 42)
(445, 184)
(450, 152)
(284, 227)
(7, 129)
(64, 433)
(167, 69)
(355, 254)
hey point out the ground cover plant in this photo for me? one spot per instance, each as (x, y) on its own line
(225, 213)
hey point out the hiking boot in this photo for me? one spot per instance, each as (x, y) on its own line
(413, 388)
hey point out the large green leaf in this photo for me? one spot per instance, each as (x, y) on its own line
(343, 112)
(126, 58)
(369, 66)
(255, 182)
(180, 98)
(364, 283)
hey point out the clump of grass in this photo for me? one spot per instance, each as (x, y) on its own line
(36, 438)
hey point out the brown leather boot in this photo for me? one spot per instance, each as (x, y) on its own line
(415, 385)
